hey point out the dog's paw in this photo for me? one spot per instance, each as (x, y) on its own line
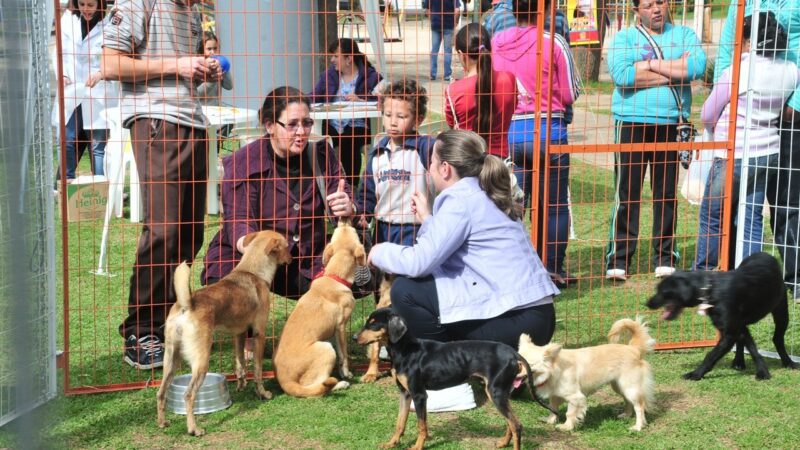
(791, 365)
(346, 374)
(388, 445)
(738, 365)
(552, 419)
(369, 378)
(693, 375)
(635, 428)
(566, 426)
(197, 432)
(763, 375)
(241, 383)
(163, 423)
(341, 385)
(264, 394)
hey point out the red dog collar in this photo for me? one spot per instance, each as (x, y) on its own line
(341, 280)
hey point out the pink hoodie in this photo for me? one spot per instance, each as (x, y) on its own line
(514, 50)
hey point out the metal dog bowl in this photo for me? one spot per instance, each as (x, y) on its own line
(212, 396)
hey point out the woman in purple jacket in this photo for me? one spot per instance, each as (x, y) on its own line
(270, 184)
(351, 78)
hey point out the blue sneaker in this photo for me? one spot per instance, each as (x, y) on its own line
(146, 352)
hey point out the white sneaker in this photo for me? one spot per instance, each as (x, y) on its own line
(664, 271)
(456, 398)
(616, 274)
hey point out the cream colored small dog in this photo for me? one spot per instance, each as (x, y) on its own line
(572, 374)
(304, 358)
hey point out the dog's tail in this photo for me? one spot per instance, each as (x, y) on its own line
(180, 280)
(531, 387)
(640, 338)
(296, 389)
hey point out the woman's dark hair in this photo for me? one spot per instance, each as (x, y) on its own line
(349, 47)
(770, 38)
(526, 10)
(96, 18)
(411, 92)
(465, 151)
(473, 41)
(277, 101)
(209, 36)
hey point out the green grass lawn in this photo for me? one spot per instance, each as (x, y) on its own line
(742, 412)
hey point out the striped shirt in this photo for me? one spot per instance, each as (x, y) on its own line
(158, 29)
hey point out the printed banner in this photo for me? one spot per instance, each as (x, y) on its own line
(583, 23)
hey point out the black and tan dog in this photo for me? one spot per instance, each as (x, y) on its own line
(732, 300)
(421, 364)
(237, 302)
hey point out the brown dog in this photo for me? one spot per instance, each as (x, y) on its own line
(304, 358)
(237, 302)
(373, 350)
(572, 374)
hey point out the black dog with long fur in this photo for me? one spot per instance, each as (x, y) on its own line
(420, 364)
(733, 300)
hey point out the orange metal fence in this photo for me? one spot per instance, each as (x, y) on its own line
(268, 48)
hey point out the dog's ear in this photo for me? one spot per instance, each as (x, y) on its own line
(524, 339)
(327, 254)
(249, 238)
(551, 352)
(272, 246)
(397, 328)
(360, 255)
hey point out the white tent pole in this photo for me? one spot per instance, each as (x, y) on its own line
(372, 14)
(699, 10)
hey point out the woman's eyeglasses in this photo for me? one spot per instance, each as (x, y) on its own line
(292, 126)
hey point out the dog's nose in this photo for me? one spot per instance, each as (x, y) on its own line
(355, 336)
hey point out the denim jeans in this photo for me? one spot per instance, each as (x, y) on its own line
(557, 198)
(762, 170)
(77, 139)
(436, 42)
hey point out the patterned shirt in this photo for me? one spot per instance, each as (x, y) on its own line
(158, 29)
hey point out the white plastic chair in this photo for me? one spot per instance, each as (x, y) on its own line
(119, 156)
(246, 135)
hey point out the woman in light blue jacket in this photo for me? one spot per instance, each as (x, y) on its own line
(473, 273)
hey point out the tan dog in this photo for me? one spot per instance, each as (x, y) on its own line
(373, 350)
(571, 375)
(237, 302)
(305, 359)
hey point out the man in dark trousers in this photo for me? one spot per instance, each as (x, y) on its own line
(444, 17)
(151, 46)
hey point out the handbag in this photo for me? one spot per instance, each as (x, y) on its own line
(686, 132)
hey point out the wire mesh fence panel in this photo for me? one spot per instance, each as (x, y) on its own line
(27, 269)
(218, 121)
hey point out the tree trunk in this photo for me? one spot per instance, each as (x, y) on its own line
(707, 31)
(589, 57)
